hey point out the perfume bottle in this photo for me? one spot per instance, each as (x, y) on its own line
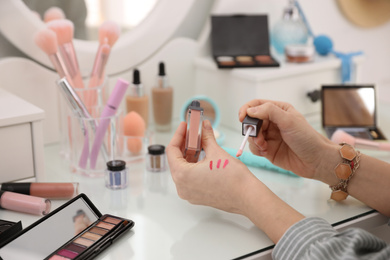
(289, 30)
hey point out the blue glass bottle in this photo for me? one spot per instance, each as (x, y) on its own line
(289, 30)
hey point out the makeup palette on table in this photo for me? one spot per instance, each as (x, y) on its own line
(241, 41)
(75, 230)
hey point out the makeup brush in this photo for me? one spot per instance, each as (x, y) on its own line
(64, 30)
(340, 136)
(53, 13)
(46, 40)
(108, 35)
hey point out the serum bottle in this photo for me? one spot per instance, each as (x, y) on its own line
(162, 98)
(137, 100)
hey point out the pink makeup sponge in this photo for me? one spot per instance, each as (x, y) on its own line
(134, 127)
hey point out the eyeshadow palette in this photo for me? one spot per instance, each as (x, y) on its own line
(88, 243)
(76, 230)
(241, 41)
(8, 229)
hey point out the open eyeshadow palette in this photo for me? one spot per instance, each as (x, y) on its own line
(76, 230)
(241, 41)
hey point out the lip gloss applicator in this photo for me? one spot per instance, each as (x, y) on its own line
(250, 127)
(49, 190)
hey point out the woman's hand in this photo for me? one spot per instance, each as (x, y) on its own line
(219, 180)
(224, 182)
(287, 139)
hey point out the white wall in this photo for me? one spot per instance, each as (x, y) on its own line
(325, 17)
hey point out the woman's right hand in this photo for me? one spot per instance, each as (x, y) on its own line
(288, 140)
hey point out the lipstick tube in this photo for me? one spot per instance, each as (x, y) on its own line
(65, 190)
(24, 203)
(194, 132)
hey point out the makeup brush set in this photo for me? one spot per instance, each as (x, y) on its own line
(84, 98)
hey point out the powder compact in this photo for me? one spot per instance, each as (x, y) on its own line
(76, 230)
(240, 41)
(299, 53)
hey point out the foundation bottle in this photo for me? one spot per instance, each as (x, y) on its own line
(162, 98)
(137, 100)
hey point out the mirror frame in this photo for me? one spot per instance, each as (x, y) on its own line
(19, 25)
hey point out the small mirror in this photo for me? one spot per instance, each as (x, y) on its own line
(43, 237)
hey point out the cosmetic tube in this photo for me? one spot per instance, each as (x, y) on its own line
(194, 132)
(137, 100)
(162, 100)
(24, 203)
(156, 158)
(108, 111)
(49, 190)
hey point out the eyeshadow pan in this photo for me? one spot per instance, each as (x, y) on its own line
(264, 59)
(75, 248)
(99, 231)
(58, 257)
(83, 241)
(112, 220)
(67, 253)
(91, 236)
(226, 60)
(105, 225)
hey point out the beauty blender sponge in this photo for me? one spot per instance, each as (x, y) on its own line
(134, 128)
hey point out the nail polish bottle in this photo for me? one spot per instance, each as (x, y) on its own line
(137, 100)
(116, 174)
(162, 99)
(194, 132)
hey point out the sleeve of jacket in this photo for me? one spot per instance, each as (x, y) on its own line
(314, 238)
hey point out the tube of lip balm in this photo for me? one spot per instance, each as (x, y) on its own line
(24, 203)
(65, 190)
(194, 132)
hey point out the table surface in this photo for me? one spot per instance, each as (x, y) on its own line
(167, 227)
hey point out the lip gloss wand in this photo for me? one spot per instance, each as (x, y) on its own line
(248, 132)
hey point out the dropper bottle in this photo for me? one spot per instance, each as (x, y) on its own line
(162, 99)
(137, 100)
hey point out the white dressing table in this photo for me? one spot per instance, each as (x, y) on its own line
(168, 227)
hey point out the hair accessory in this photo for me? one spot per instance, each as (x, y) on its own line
(344, 171)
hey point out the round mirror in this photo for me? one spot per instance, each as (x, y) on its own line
(88, 15)
(19, 25)
(210, 112)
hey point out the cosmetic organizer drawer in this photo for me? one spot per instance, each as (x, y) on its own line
(289, 83)
(21, 139)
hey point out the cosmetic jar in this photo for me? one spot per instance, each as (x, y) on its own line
(156, 158)
(116, 174)
(299, 53)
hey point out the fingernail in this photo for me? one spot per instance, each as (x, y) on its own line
(251, 110)
(207, 125)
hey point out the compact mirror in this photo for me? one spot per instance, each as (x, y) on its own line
(210, 112)
(52, 231)
(352, 109)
